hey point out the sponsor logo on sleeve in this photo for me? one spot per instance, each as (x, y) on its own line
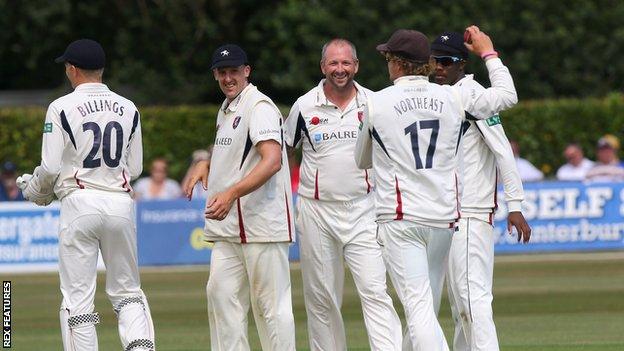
(494, 120)
(47, 127)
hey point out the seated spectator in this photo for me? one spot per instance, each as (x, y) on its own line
(577, 166)
(157, 186)
(8, 187)
(198, 155)
(608, 167)
(528, 172)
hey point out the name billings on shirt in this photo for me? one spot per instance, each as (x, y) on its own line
(100, 106)
(418, 103)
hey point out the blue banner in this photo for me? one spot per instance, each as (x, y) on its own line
(564, 216)
(28, 236)
(172, 232)
(567, 216)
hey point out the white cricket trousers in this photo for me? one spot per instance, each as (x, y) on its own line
(93, 220)
(256, 272)
(330, 235)
(471, 267)
(409, 250)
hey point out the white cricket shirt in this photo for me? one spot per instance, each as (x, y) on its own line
(485, 146)
(91, 140)
(327, 136)
(412, 129)
(264, 215)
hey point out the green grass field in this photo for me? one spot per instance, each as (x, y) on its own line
(571, 302)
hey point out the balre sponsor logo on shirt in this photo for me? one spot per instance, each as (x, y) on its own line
(340, 135)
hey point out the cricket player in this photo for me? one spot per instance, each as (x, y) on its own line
(411, 136)
(335, 216)
(249, 214)
(486, 152)
(91, 150)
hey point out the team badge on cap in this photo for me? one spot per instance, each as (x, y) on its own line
(236, 122)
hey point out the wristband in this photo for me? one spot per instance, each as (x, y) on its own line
(485, 55)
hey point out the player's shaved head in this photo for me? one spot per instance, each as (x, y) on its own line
(338, 41)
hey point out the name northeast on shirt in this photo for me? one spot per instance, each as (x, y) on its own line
(418, 103)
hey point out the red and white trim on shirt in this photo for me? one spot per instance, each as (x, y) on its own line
(241, 225)
(368, 186)
(288, 217)
(399, 207)
(125, 183)
(78, 180)
(316, 190)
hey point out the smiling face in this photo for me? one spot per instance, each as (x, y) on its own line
(339, 65)
(232, 80)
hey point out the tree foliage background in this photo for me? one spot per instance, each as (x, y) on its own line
(159, 51)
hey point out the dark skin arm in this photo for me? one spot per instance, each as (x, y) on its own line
(516, 219)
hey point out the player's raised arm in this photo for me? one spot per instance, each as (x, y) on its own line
(502, 94)
(364, 145)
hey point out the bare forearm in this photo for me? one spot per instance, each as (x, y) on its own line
(260, 174)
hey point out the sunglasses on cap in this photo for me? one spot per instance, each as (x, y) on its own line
(446, 60)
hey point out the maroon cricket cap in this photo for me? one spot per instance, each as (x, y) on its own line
(410, 44)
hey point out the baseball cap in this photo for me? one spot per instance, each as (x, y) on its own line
(410, 44)
(84, 53)
(451, 43)
(609, 140)
(228, 55)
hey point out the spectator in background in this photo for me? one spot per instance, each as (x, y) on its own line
(8, 187)
(157, 186)
(528, 172)
(198, 155)
(577, 166)
(608, 167)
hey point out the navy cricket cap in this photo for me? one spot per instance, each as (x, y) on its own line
(228, 55)
(85, 54)
(451, 43)
(410, 44)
